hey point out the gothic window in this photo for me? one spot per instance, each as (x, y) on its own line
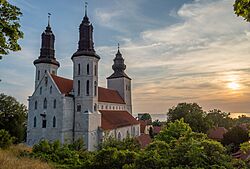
(34, 123)
(102, 106)
(44, 123)
(119, 136)
(79, 69)
(87, 69)
(95, 89)
(54, 104)
(50, 90)
(106, 107)
(95, 107)
(87, 88)
(41, 90)
(54, 121)
(38, 75)
(46, 81)
(95, 70)
(78, 88)
(45, 103)
(35, 105)
(78, 108)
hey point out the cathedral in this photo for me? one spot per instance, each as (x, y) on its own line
(70, 109)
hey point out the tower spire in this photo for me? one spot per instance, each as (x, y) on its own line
(49, 14)
(86, 8)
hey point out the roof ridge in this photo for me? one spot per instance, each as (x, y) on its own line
(60, 77)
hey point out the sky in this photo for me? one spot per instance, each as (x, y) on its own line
(175, 51)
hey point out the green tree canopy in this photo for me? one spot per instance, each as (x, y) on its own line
(13, 116)
(220, 119)
(9, 27)
(146, 116)
(192, 114)
(242, 8)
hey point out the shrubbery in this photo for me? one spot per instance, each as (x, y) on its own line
(5, 139)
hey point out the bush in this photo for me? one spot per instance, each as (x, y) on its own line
(5, 139)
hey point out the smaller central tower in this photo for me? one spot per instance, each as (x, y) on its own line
(85, 85)
(46, 62)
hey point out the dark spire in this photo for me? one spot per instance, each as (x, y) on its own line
(85, 43)
(118, 66)
(47, 51)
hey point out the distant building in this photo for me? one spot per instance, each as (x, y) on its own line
(217, 133)
(68, 109)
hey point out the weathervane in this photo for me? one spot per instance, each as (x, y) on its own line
(49, 14)
(86, 8)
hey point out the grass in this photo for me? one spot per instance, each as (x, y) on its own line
(10, 159)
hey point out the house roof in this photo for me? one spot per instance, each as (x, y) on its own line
(144, 140)
(157, 129)
(116, 119)
(217, 133)
(104, 95)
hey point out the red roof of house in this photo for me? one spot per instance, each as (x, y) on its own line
(144, 140)
(217, 133)
(157, 129)
(110, 96)
(64, 85)
(116, 119)
(104, 95)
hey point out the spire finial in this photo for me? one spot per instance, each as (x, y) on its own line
(86, 8)
(49, 14)
(118, 46)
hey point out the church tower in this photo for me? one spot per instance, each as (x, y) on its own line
(85, 85)
(120, 81)
(46, 62)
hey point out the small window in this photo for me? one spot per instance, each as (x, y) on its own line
(78, 108)
(53, 72)
(38, 75)
(87, 69)
(95, 107)
(46, 81)
(44, 123)
(79, 69)
(106, 107)
(78, 88)
(54, 104)
(54, 121)
(50, 90)
(95, 88)
(87, 88)
(102, 106)
(95, 70)
(41, 90)
(45, 103)
(119, 136)
(35, 105)
(34, 124)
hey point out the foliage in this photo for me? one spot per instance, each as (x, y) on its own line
(245, 147)
(13, 117)
(125, 144)
(151, 132)
(9, 27)
(156, 123)
(234, 137)
(220, 119)
(243, 119)
(146, 116)
(192, 114)
(5, 139)
(242, 8)
(174, 131)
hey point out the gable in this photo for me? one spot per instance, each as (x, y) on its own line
(64, 85)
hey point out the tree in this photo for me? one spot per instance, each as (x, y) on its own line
(9, 28)
(192, 114)
(13, 117)
(146, 116)
(5, 139)
(234, 137)
(242, 8)
(219, 118)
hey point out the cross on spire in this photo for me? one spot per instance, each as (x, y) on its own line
(86, 8)
(49, 14)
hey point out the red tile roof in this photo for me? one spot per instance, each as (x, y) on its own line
(104, 95)
(64, 85)
(110, 96)
(116, 119)
(144, 140)
(217, 133)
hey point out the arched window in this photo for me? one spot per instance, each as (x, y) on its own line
(78, 108)
(46, 81)
(44, 123)
(87, 88)
(119, 136)
(41, 90)
(34, 124)
(54, 103)
(35, 105)
(38, 75)
(87, 69)
(45, 103)
(79, 69)
(78, 88)
(54, 121)
(95, 70)
(95, 107)
(95, 88)
(50, 90)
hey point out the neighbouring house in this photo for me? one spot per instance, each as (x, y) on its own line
(145, 126)
(144, 140)
(217, 133)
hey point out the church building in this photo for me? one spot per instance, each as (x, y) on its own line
(69, 109)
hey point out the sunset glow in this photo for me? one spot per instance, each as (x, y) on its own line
(233, 86)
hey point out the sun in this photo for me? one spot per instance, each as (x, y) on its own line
(233, 86)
